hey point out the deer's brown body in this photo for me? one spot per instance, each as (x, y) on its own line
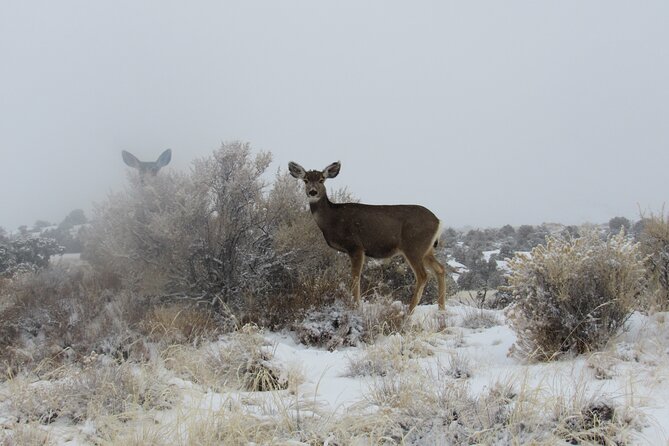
(375, 231)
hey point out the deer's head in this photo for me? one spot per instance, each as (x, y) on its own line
(147, 167)
(314, 180)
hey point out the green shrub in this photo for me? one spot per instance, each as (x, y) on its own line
(572, 295)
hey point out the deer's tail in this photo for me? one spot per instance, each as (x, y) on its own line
(437, 234)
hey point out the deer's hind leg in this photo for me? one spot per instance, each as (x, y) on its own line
(439, 272)
(419, 271)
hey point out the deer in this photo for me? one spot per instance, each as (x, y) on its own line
(376, 231)
(147, 167)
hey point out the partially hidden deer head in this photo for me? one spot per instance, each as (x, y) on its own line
(147, 167)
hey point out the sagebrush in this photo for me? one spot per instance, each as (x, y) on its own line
(572, 295)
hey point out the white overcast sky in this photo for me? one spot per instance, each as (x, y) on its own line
(487, 112)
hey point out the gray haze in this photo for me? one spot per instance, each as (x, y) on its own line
(487, 112)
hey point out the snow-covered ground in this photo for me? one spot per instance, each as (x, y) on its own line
(632, 375)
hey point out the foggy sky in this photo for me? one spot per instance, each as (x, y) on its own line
(487, 112)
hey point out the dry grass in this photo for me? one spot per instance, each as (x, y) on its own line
(592, 421)
(655, 245)
(25, 434)
(393, 354)
(182, 323)
(381, 316)
(241, 361)
(480, 319)
(100, 387)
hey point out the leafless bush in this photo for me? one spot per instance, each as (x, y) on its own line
(332, 326)
(61, 314)
(220, 234)
(202, 234)
(572, 295)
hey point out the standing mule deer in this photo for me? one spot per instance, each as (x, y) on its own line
(147, 167)
(375, 231)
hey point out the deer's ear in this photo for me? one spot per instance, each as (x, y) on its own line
(332, 170)
(130, 159)
(296, 170)
(164, 158)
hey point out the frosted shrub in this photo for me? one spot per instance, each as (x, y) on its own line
(220, 234)
(332, 327)
(60, 314)
(205, 235)
(26, 254)
(572, 295)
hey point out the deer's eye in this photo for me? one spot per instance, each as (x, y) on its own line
(322, 180)
(306, 181)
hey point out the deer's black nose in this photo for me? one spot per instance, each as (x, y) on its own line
(313, 193)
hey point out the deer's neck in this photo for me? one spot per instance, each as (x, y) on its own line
(322, 210)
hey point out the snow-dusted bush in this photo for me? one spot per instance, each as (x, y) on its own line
(332, 326)
(26, 254)
(335, 325)
(203, 235)
(60, 314)
(572, 295)
(220, 234)
(654, 239)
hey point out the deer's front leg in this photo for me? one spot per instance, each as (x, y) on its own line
(357, 260)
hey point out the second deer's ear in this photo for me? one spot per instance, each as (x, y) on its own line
(130, 159)
(164, 158)
(296, 170)
(332, 170)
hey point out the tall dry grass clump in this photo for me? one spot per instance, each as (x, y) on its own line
(97, 387)
(572, 295)
(242, 360)
(654, 240)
